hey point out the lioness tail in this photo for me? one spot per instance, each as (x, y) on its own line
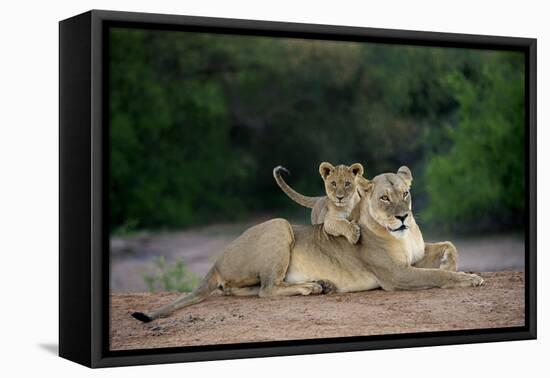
(209, 283)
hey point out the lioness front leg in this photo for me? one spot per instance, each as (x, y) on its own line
(441, 255)
(338, 226)
(412, 278)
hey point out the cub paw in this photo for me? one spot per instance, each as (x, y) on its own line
(355, 234)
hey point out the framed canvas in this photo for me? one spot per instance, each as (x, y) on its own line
(184, 237)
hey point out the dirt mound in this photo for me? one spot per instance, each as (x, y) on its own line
(225, 320)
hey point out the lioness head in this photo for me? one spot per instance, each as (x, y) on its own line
(390, 201)
(340, 181)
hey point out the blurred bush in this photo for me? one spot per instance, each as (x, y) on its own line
(198, 121)
(170, 277)
(480, 180)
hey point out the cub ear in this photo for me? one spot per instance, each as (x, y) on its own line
(356, 169)
(405, 173)
(325, 169)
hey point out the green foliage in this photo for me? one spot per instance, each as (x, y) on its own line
(174, 277)
(480, 177)
(169, 138)
(199, 120)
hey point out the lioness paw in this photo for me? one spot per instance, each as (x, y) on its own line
(311, 288)
(328, 286)
(476, 280)
(448, 262)
(468, 279)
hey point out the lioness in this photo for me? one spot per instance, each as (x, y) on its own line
(342, 197)
(275, 258)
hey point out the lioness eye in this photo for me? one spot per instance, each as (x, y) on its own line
(405, 194)
(333, 183)
(385, 198)
(348, 184)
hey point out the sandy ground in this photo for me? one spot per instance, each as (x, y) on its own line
(131, 257)
(224, 320)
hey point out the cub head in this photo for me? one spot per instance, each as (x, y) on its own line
(389, 201)
(340, 181)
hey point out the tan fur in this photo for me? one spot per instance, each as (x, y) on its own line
(342, 196)
(275, 258)
(334, 209)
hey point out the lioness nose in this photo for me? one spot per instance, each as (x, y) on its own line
(402, 217)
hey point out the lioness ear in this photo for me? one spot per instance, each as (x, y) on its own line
(356, 169)
(405, 173)
(325, 169)
(364, 184)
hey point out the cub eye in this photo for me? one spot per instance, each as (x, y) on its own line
(405, 194)
(347, 184)
(385, 198)
(333, 183)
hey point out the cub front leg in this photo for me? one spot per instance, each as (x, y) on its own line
(443, 255)
(338, 227)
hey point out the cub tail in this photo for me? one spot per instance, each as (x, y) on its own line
(300, 199)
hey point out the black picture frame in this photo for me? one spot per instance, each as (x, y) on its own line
(83, 182)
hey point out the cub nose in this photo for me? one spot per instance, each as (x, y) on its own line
(402, 217)
(339, 197)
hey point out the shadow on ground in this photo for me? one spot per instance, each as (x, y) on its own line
(50, 348)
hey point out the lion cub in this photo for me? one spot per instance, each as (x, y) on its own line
(342, 184)
(341, 188)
